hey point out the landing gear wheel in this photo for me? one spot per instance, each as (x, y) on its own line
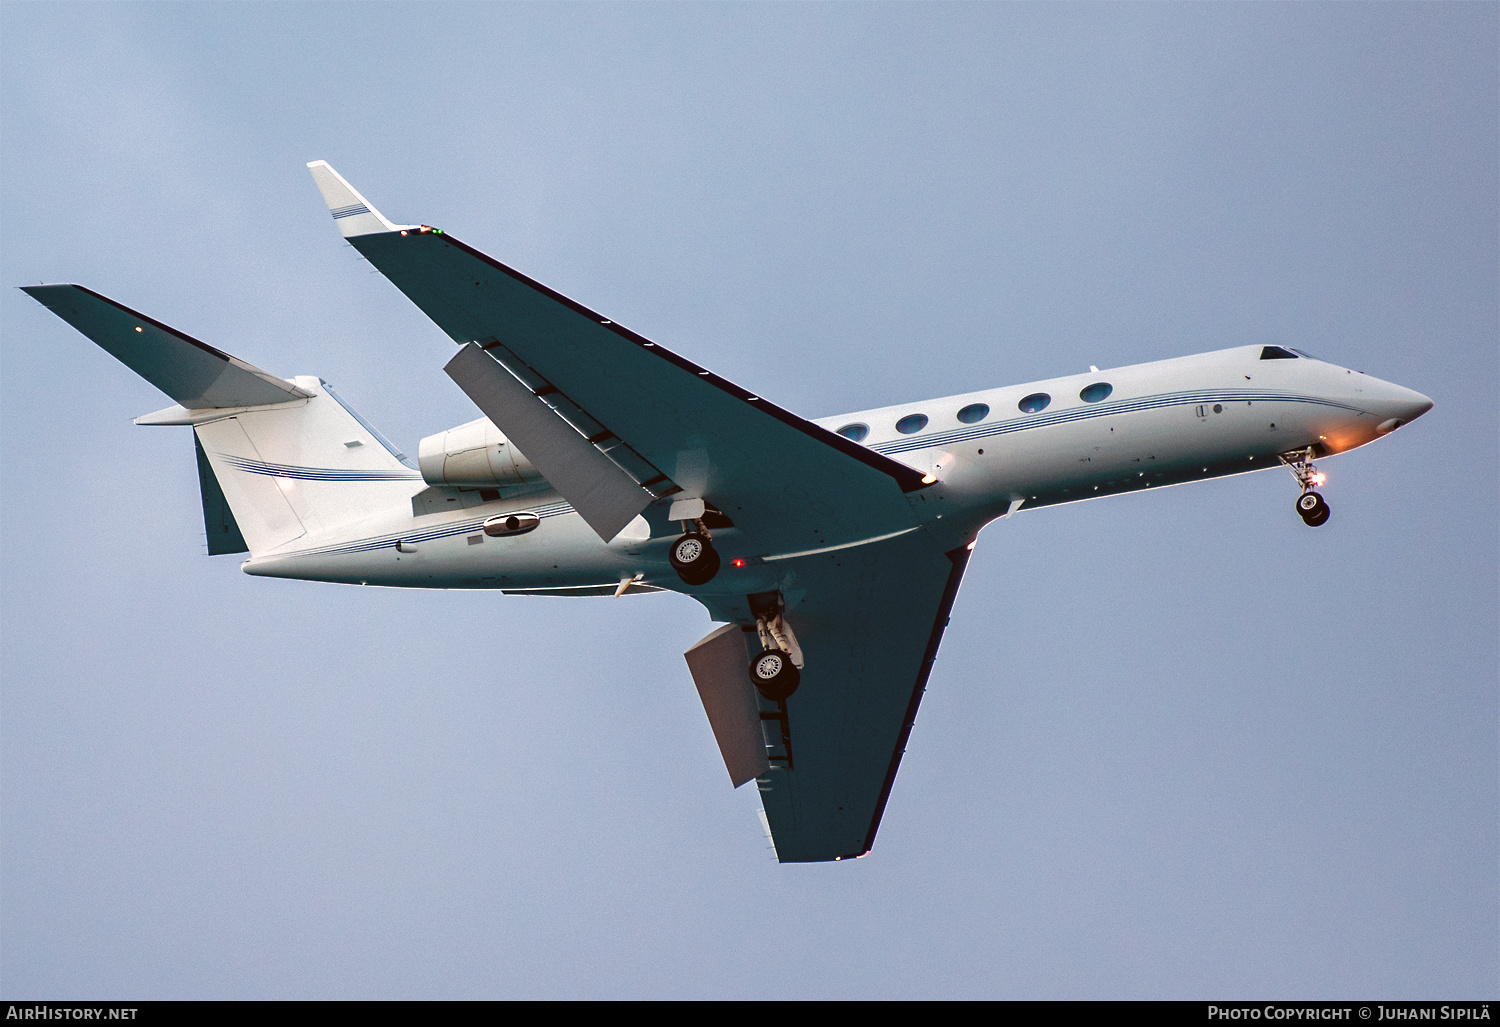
(1313, 508)
(773, 674)
(694, 559)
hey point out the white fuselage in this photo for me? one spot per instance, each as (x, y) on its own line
(1161, 423)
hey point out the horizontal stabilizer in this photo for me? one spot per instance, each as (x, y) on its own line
(352, 212)
(193, 373)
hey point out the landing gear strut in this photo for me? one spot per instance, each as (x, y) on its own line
(1311, 507)
(693, 556)
(775, 669)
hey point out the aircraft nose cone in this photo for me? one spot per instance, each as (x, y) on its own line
(1420, 404)
(1404, 406)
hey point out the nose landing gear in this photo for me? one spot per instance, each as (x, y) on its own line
(1311, 507)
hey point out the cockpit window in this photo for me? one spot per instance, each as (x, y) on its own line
(1304, 353)
(854, 432)
(1276, 353)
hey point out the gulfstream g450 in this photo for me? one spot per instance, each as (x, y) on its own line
(830, 550)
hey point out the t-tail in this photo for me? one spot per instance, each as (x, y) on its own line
(277, 460)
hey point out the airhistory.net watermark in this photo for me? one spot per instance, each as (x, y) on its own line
(47, 1011)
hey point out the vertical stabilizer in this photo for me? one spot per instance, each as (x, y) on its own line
(219, 526)
(303, 469)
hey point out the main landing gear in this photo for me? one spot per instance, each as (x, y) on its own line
(1311, 507)
(693, 556)
(775, 670)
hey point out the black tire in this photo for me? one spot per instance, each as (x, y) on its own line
(773, 675)
(694, 559)
(1318, 519)
(1311, 505)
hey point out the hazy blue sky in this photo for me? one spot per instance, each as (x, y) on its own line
(1175, 744)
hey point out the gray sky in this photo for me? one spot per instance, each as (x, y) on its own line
(1175, 744)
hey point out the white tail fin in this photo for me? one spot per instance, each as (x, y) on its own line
(289, 457)
(303, 469)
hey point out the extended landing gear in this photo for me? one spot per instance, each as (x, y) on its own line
(1311, 507)
(694, 558)
(776, 669)
(773, 674)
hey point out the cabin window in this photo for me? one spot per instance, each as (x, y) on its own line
(974, 413)
(1034, 403)
(911, 424)
(1276, 353)
(855, 432)
(1096, 392)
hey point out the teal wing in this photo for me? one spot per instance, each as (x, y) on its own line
(868, 617)
(783, 480)
(869, 621)
(866, 590)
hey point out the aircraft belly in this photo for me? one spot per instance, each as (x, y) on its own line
(1145, 449)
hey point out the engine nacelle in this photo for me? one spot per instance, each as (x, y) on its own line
(473, 456)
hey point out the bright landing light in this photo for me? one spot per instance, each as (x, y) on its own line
(1318, 478)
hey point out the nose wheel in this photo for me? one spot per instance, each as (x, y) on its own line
(1311, 507)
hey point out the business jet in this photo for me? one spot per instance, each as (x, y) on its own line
(829, 551)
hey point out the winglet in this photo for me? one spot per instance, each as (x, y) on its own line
(354, 214)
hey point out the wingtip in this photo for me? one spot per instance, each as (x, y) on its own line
(41, 289)
(351, 212)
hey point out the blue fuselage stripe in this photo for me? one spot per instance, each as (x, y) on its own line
(316, 473)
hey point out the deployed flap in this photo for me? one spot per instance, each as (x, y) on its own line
(719, 663)
(783, 480)
(604, 496)
(869, 621)
(191, 372)
(219, 525)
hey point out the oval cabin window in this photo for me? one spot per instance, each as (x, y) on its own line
(1034, 403)
(854, 432)
(1095, 392)
(974, 413)
(911, 424)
